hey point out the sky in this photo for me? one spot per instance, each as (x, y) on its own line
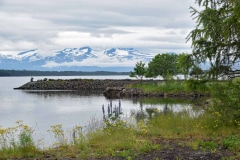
(151, 26)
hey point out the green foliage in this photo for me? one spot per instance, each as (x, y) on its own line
(165, 87)
(128, 154)
(173, 125)
(216, 72)
(197, 85)
(25, 139)
(139, 70)
(163, 65)
(208, 145)
(196, 72)
(58, 134)
(184, 64)
(17, 142)
(112, 140)
(216, 36)
(226, 103)
(232, 142)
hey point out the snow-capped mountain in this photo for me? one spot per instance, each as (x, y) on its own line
(76, 59)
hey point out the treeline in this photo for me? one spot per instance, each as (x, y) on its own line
(6, 73)
(215, 41)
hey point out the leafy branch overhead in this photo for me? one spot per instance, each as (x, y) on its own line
(216, 38)
(215, 42)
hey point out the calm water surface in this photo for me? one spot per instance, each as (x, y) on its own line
(39, 110)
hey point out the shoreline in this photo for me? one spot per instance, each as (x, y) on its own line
(110, 88)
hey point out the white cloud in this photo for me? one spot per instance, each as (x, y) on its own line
(150, 25)
(145, 37)
(11, 48)
(100, 62)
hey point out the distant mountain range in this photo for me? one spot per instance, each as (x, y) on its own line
(76, 59)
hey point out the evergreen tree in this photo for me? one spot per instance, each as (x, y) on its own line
(216, 38)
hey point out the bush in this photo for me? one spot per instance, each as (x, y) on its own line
(232, 143)
(17, 142)
(197, 85)
(208, 145)
(226, 103)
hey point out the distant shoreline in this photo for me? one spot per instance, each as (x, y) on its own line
(15, 73)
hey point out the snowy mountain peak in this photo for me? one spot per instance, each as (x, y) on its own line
(30, 55)
(121, 52)
(29, 52)
(83, 58)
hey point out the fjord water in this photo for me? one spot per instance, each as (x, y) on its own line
(41, 109)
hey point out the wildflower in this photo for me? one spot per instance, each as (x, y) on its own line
(78, 127)
(25, 127)
(19, 121)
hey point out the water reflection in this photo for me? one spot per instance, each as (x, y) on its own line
(60, 93)
(71, 108)
(146, 106)
(156, 106)
(147, 111)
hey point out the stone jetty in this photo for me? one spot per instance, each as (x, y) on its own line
(76, 84)
(110, 88)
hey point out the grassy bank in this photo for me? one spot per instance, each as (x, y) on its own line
(173, 86)
(218, 128)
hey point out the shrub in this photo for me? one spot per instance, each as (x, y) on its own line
(208, 145)
(226, 103)
(17, 142)
(232, 142)
(197, 85)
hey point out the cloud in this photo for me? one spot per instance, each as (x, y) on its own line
(100, 62)
(150, 25)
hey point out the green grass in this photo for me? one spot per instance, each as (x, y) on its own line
(173, 125)
(172, 86)
(166, 87)
(17, 142)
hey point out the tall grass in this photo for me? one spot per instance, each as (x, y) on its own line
(172, 86)
(174, 125)
(119, 138)
(226, 103)
(166, 87)
(115, 137)
(17, 142)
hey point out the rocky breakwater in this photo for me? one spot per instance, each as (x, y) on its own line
(108, 87)
(76, 84)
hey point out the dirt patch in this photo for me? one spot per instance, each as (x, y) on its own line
(171, 149)
(178, 149)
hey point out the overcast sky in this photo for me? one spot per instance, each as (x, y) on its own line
(152, 26)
